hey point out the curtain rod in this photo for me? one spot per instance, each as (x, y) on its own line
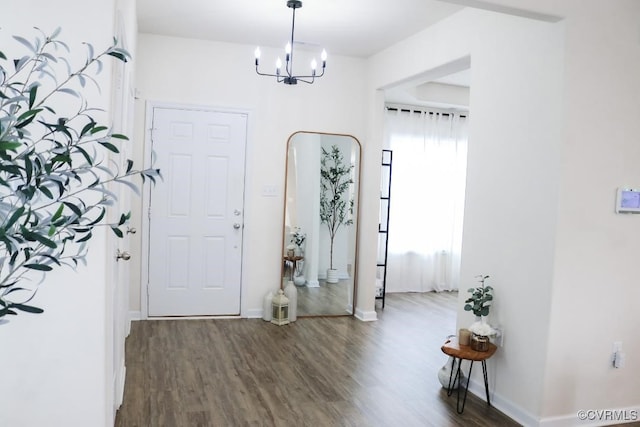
(423, 110)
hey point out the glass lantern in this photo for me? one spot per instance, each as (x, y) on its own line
(280, 309)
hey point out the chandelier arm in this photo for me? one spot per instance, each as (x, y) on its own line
(312, 76)
(301, 79)
(265, 74)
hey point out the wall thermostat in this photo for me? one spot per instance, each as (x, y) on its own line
(628, 200)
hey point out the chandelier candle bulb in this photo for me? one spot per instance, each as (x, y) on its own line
(257, 53)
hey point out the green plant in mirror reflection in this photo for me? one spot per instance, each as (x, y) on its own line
(336, 209)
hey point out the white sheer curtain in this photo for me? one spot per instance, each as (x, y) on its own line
(427, 199)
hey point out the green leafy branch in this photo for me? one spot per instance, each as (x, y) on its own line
(57, 171)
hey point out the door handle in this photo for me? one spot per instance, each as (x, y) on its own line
(124, 255)
(236, 226)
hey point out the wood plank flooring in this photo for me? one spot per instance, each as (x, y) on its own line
(323, 371)
(329, 299)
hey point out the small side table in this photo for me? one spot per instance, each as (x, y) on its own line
(292, 261)
(465, 352)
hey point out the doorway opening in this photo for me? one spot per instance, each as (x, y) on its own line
(426, 131)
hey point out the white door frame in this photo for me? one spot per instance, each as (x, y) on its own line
(146, 201)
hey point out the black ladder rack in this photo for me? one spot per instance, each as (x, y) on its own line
(383, 224)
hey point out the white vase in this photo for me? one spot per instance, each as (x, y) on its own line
(444, 374)
(291, 292)
(266, 306)
(332, 275)
(299, 280)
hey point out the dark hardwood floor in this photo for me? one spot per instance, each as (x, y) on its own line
(322, 371)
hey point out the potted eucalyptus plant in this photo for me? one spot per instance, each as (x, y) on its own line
(58, 164)
(336, 208)
(479, 303)
(481, 298)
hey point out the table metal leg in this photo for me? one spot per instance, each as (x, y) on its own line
(466, 390)
(486, 381)
(452, 379)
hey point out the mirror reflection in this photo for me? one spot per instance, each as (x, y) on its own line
(320, 222)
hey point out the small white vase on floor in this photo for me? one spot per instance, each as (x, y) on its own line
(299, 280)
(266, 306)
(291, 292)
(445, 375)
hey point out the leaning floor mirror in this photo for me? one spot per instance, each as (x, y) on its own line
(319, 245)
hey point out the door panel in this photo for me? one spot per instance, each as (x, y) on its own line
(195, 255)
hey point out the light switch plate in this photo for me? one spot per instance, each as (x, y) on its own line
(269, 190)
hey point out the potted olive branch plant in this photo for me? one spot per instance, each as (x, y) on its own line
(335, 209)
(57, 165)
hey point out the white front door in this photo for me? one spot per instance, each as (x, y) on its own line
(196, 213)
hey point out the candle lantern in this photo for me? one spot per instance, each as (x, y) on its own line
(280, 309)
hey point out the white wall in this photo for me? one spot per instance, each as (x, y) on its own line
(198, 72)
(513, 161)
(595, 293)
(512, 191)
(53, 364)
(552, 134)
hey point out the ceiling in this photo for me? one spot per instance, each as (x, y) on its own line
(357, 28)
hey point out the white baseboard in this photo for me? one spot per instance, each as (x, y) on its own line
(135, 316)
(366, 316)
(118, 384)
(254, 313)
(599, 417)
(505, 406)
(313, 284)
(594, 418)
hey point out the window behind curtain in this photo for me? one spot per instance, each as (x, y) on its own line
(429, 171)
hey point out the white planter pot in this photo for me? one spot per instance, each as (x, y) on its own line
(445, 375)
(332, 275)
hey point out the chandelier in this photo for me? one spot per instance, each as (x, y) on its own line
(287, 76)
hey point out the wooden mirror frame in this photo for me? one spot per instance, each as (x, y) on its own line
(354, 235)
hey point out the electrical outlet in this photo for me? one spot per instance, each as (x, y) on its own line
(618, 357)
(498, 338)
(619, 360)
